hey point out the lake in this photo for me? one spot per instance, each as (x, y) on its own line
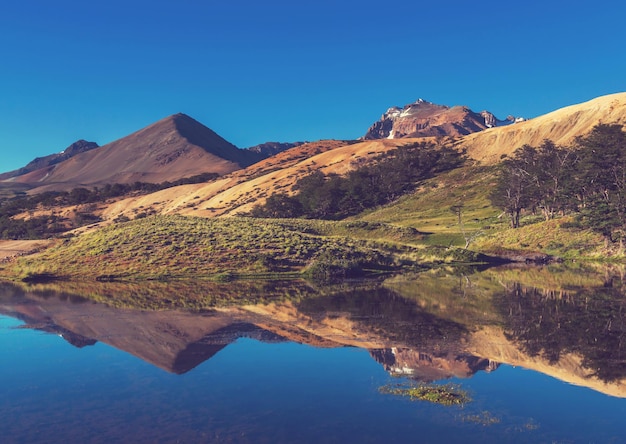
(539, 353)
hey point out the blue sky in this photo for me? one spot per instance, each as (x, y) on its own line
(289, 70)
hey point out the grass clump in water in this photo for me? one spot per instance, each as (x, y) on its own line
(483, 418)
(446, 394)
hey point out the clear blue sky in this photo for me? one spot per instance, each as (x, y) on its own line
(277, 70)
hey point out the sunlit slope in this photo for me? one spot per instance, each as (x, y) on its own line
(561, 126)
(240, 191)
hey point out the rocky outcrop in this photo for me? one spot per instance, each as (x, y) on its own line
(423, 119)
(491, 121)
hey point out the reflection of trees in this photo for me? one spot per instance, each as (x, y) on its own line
(590, 322)
(386, 313)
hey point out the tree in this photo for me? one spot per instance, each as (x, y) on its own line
(516, 188)
(388, 177)
(601, 180)
(469, 237)
(553, 168)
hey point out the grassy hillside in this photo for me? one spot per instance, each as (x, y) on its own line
(417, 231)
(163, 247)
(429, 208)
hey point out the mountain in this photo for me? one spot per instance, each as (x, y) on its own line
(77, 147)
(170, 149)
(250, 186)
(241, 189)
(426, 119)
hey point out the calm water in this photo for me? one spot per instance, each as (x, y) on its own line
(541, 363)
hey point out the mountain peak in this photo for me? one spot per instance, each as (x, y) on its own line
(172, 148)
(80, 146)
(423, 118)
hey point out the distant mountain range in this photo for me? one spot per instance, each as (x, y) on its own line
(178, 146)
(172, 148)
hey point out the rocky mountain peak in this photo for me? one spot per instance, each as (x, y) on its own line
(80, 146)
(423, 118)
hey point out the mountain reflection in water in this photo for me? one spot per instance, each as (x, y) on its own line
(428, 327)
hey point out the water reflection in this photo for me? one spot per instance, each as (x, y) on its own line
(587, 322)
(429, 327)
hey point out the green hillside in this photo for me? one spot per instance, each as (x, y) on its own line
(167, 247)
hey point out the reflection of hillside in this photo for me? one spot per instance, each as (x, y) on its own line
(383, 313)
(554, 278)
(588, 322)
(178, 341)
(158, 295)
(427, 326)
(567, 323)
(465, 298)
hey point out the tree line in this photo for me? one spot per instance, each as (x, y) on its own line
(587, 178)
(391, 175)
(44, 226)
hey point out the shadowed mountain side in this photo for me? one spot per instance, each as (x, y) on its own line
(268, 149)
(173, 148)
(197, 352)
(561, 126)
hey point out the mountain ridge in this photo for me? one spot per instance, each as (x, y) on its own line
(561, 126)
(239, 189)
(169, 149)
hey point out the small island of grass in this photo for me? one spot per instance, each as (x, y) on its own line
(446, 394)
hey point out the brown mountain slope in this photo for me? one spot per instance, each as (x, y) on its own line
(560, 126)
(240, 191)
(175, 147)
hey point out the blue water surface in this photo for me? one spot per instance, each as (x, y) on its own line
(260, 392)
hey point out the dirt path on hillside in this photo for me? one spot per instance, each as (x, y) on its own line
(12, 248)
